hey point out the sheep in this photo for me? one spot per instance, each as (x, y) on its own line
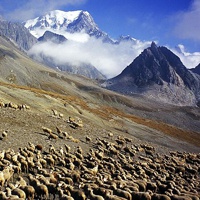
(50, 160)
(141, 184)
(31, 147)
(67, 148)
(63, 196)
(46, 130)
(7, 174)
(55, 112)
(94, 196)
(52, 136)
(79, 150)
(92, 171)
(177, 197)
(74, 140)
(58, 130)
(12, 105)
(61, 151)
(120, 141)
(52, 149)
(52, 188)
(151, 186)
(76, 193)
(65, 135)
(4, 135)
(2, 104)
(88, 139)
(17, 168)
(19, 193)
(75, 124)
(20, 182)
(71, 119)
(160, 197)
(122, 193)
(110, 196)
(2, 155)
(110, 134)
(13, 196)
(29, 191)
(79, 156)
(42, 191)
(24, 165)
(2, 180)
(141, 196)
(3, 196)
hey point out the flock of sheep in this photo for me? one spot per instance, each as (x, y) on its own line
(115, 168)
(13, 105)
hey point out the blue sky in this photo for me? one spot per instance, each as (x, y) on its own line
(170, 22)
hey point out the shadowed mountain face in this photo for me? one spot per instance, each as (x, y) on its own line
(159, 73)
(17, 33)
(53, 37)
(196, 69)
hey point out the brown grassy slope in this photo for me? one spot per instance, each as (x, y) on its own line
(106, 112)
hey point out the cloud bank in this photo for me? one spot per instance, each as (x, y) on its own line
(109, 59)
(187, 24)
(190, 60)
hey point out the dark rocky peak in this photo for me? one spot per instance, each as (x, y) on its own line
(53, 37)
(158, 73)
(156, 65)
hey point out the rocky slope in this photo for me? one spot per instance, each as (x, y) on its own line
(160, 74)
(18, 34)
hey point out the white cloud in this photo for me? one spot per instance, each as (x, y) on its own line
(32, 8)
(107, 58)
(77, 36)
(190, 60)
(187, 24)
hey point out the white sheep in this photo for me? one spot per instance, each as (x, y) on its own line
(4, 135)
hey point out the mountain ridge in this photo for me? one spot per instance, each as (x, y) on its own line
(17, 34)
(156, 72)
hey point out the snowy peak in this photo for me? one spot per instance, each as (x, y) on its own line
(57, 20)
(127, 38)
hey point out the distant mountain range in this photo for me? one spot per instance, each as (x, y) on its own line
(158, 73)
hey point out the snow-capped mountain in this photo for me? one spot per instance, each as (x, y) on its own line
(65, 23)
(58, 26)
